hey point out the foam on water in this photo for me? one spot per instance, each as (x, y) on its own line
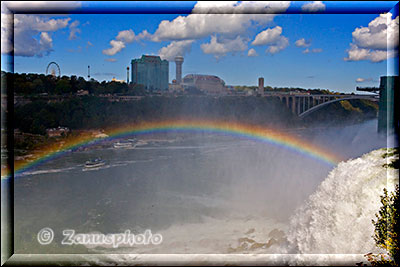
(216, 235)
(332, 227)
(36, 172)
(337, 217)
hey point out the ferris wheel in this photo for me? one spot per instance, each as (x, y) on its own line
(53, 69)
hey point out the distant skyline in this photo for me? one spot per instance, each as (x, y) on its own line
(322, 50)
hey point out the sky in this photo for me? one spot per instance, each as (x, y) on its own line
(290, 44)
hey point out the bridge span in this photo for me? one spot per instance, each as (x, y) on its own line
(303, 104)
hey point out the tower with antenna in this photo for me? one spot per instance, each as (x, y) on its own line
(127, 75)
(178, 62)
(88, 70)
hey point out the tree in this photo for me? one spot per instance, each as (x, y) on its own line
(386, 227)
(63, 87)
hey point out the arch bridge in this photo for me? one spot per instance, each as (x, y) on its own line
(304, 104)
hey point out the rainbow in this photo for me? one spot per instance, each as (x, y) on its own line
(248, 131)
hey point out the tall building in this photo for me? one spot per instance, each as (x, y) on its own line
(151, 72)
(178, 62)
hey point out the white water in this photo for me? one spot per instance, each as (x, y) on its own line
(337, 217)
(334, 224)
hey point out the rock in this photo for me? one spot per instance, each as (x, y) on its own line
(277, 234)
(252, 230)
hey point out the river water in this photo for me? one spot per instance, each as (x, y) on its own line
(203, 193)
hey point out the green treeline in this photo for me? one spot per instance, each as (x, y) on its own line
(346, 111)
(88, 112)
(49, 102)
(32, 84)
(39, 84)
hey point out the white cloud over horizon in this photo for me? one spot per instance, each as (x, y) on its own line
(314, 50)
(224, 18)
(175, 48)
(252, 53)
(124, 37)
(31, 34)
(361, 80)
(207, 19)
(377, 42)
(303, 43)
(220, 48)
(73, 27)
(273, 38)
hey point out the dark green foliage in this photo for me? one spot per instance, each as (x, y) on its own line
(34, 84)
(54, 103)
(386, 229)
(395, 164)
(89, 112)
(344, 112)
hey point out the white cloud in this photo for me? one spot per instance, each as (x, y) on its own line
(314, 50)
(376, 42)
(314, 6)
(199, 24)
(377, 33)
(73, 27)
(6, 26)
(38, 23)
(252, 53)
(123, 38)
(196, 26)
(144, 35)
(281, 44)
(46, 40)
(116, 46)
(31, 34)
(269, 36)
(361, 80)
(303, 43)
(175, 48)
(208, 18)
(273, 38)
(127, 36)
(356, 54)
(220, 48)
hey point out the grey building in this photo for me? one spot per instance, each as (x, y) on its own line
(151, 72)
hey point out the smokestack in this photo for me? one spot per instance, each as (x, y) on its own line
(178, 62)
(261, 86)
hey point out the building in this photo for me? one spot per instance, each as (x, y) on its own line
(151, 72)
(388, 114)
(118, 81)
(82, 92)
(178, 62)
(209, 84)
(261, 86)
(57, 132)
(175, 87)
